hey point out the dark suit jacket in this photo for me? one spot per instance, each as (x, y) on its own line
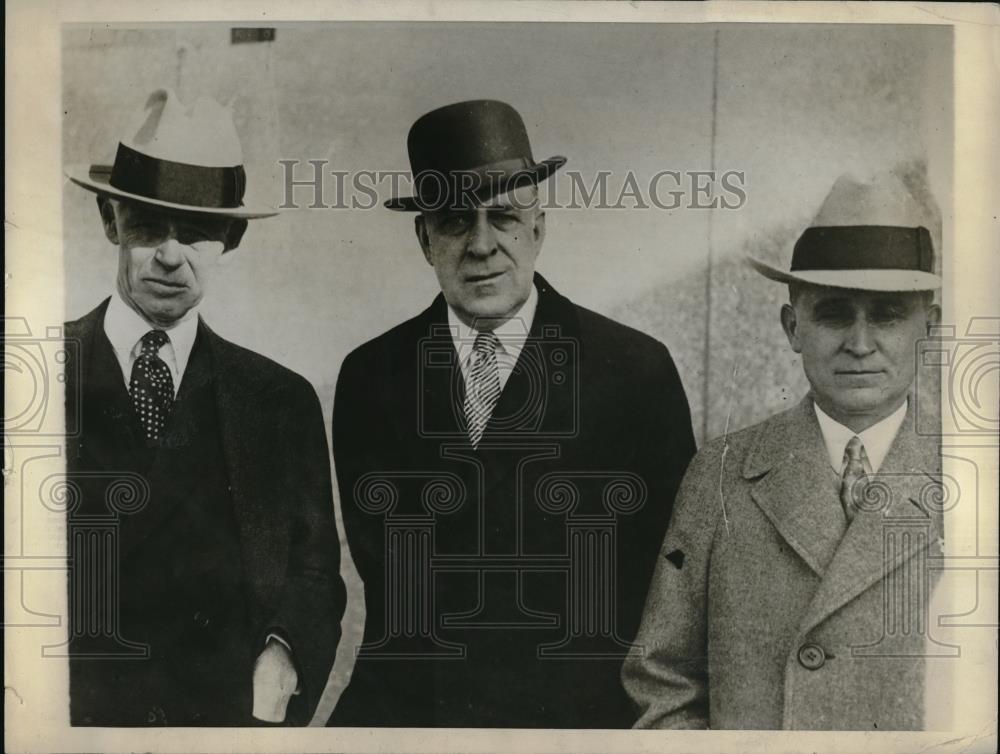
(504, 584)
(277, 465)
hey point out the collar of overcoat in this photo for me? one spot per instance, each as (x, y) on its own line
(787, 465)
(556, 322)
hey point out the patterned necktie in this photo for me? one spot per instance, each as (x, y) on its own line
(151, 386)
(854, 479)
(483, 390)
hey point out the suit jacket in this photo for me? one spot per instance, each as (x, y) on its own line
(765, 613)
(504, 583)
(277, 468)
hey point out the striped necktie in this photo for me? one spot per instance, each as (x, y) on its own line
(151, 386)
(854, 480)
(483, 390)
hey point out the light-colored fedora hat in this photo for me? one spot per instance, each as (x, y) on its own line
(867, 236)
(179, 158)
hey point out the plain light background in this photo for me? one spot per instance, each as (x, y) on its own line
(795, 106)
(792, 107)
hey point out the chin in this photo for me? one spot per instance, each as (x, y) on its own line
(163, 316)
(491, 308)
(864, 402)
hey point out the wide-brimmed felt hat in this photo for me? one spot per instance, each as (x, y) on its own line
(467, 153)
(179, 158)
(870, 236)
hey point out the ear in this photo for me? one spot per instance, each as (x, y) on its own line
(420, 226)
(790, 324)
(107, 210)
(539, 227)
(933, 317)
(235, 233)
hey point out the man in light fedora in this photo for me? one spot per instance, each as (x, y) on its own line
(506, 460)
(215, 598)
(793, 581)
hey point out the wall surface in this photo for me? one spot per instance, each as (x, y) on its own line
(792, 107)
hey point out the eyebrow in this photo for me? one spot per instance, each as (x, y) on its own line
(831, 303)
(210, 226)
(886, 303)
(494, 208)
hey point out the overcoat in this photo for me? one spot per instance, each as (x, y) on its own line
(275, 495)
(767, 610)
(504, 583)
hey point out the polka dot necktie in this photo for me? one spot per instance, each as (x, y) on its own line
(151, 386)
(483, 390)
(854, 480)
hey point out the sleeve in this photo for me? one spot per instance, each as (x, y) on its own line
(667, 679)
(314, 596)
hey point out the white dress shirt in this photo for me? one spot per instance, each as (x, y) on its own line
(877, 439)
(511, 335)
(125, 328)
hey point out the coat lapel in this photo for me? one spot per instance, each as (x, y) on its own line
(795, 486)
(247, 442)
(440, 410)
(539, 394)
(110, 432)
(900, 520)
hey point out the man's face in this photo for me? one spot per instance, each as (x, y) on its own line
(164, 259)
(484, 258)
(858, 348)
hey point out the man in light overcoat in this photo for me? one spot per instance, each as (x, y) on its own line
(793, 582)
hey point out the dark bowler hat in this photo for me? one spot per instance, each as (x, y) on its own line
(866, 236)
(180, 158)
(467, 153)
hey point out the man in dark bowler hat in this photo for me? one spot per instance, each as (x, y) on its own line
(794, 585)
(507, 462)
(204, 558)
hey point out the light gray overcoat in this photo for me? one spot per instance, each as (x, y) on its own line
(767, 611)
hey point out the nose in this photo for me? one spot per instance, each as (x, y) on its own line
(170, 253)
(859, 341)
(482, 238)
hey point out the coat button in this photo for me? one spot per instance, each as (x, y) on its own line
(200, 619)
(156, 716)
(812, 656)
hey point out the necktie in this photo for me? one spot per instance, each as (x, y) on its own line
(483, 390)
(854, 479)
(151, 386)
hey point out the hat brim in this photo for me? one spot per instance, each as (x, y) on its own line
(83, 176)
(861, 280)
(535, 173)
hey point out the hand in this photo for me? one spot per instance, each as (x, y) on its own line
(274, 682)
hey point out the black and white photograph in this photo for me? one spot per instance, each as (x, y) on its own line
(425, 377)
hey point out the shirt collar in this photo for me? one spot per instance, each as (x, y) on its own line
(512, 334)
(877, 439)
(125, 328)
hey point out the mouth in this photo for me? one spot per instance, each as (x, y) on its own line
(860, 376)
(484, 277)
(166, 285)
